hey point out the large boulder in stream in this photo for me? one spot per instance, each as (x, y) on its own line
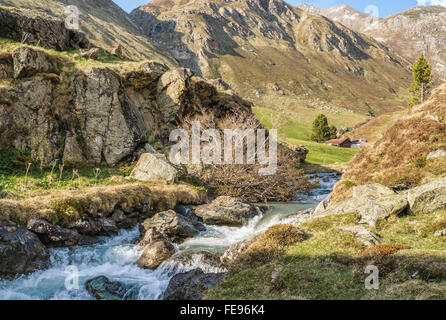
(102, 288)
(173, 224)
(227, 211)
(191, 285)
(21, 251)
(157, 249)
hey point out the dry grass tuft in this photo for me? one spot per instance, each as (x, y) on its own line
(271, 245)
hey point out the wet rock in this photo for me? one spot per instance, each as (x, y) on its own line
(21, 251)
(172, 224)
(95, 227)
(367, 237)
(428, 198)
(156, 253)
(52, 235)
(238, 248)
(226, 211)
(29, 61)
(102, 288)
(92, 54)
(154, 167)
(191, 285)
(299, 217)
(209, 262)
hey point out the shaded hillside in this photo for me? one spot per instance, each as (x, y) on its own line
(412, 152)
(279, 56)
(105, 24)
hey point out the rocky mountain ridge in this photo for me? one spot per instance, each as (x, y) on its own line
(252, 45)
(408, 33)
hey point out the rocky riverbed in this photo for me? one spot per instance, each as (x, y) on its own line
(108, 268)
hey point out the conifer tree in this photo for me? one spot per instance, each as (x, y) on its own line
(321, 131)
(422, 76)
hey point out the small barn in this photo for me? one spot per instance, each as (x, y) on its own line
(341, 143)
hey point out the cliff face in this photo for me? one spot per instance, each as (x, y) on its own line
(270, 51)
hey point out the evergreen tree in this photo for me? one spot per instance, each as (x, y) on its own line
(321, 131)
(422, 76)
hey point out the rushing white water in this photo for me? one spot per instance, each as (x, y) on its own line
(115, 258)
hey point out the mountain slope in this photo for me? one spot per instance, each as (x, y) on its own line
(420, 29)
(104, 23)
(412, 151)
(279, 56)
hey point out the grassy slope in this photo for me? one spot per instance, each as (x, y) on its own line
(295, 130)
(331, 263)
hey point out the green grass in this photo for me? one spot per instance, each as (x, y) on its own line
(330, 264)
(298, 133)
(323, 154)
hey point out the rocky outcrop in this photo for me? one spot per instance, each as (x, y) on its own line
(102, 288)
(372, 203)
(226, 211)
(21, 251)
(157, 249)
(191, 285)
(428, 198)
(6, 65)
(154, 167)
(174, 225)
(33, 28)
(52, 235)
(28, 62)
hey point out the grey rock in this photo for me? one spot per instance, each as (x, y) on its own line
(438, 154)
(52, 235)
(440, 233)
(29, 61)
(21, 251)
(33, 28)
(372, 203)
(172, 224)
(367, 237)
(226, 211)
(191, 285)
(428, 198)
(102, 288)
(154, 167)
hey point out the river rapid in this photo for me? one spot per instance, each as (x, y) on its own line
(115, 256)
